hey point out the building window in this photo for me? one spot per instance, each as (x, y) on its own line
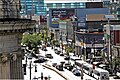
(67, 5)
(59, 5)
(54, 5)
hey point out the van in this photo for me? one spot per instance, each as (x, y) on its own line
(100, 74)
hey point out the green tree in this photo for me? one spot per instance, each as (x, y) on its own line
(68, 50)
(31, 40)
(116, 61)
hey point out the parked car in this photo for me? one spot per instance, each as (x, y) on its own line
(76, 72)
(49, 56)
(40, 60)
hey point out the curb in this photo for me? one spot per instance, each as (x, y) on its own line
(49, 67)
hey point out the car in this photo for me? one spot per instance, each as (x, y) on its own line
(76, 72)
(55, 49)
(44, 49)
(59, 67)
(40, 60)
(68, 66)
(54, 64)
(61, 54)
(58, 52)
(49, 56)
(67, 58)
(116, 77)
(34, 55)
(103, 66)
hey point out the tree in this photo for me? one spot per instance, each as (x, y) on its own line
(116, 61)
(55, 43)
(31, 40)
(68, 50)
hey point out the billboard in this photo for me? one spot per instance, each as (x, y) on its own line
(58, 15)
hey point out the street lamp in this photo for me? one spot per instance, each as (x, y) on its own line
(61, 41)
(74, 22)
(31, 66)
(108, 17)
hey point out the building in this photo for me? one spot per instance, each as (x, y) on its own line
(11, 29)
(41, 7)
(33, 7)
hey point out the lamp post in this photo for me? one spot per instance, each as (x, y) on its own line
(84, 47)
(108, 32)
(74, 22)
(61, 41)
(31, 66)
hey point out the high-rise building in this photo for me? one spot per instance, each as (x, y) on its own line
(41, 7)
(32, 7)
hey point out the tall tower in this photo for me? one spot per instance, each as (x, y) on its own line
(11, 29)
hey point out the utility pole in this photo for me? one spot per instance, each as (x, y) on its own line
(30, 69)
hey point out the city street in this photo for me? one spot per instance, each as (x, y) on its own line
(46, 72)
(40, 69)
(66, 72)
(50, 73)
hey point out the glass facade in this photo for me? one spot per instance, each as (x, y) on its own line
(33, 7)
(38, 7)
(65, 5)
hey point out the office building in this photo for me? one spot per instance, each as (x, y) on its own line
(33, 7)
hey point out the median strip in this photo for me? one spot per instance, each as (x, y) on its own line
(49, 67)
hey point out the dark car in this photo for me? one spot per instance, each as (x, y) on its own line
(48, 44)
(116, 77)
(41, 60)
(49, 56)
(59, 67)
(55, 49)
(68, 66)
(76, 72)
(61, 54)
(54, 64)
(44, 49)
(67, 57)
